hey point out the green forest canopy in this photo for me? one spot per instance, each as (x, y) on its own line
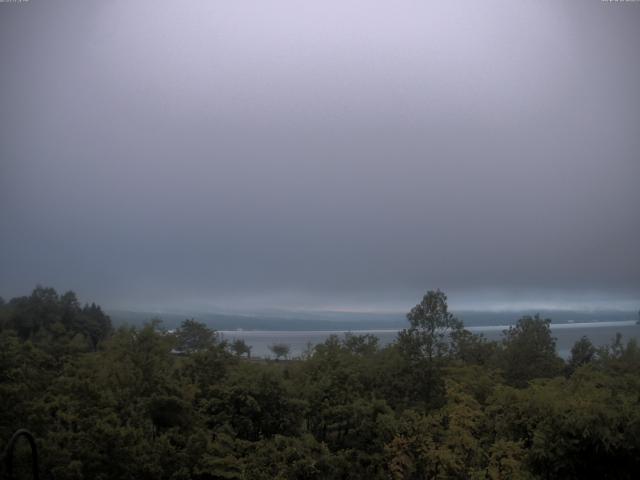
(439, 402)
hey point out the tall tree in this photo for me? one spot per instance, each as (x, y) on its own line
(193, 336)
(529, 351)
(280, 350)
(433, 328)
(97, 325)
(583, 351)
(240, 348)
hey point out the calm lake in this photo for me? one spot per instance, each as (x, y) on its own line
(600, 333)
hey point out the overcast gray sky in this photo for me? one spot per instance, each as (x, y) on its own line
(328, 154)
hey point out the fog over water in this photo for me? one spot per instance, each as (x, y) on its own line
(346, 156)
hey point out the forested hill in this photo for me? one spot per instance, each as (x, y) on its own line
(439, 402)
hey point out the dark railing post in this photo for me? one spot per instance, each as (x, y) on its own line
(7, 457)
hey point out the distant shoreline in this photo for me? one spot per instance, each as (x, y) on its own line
(476, 328)
(566, 334)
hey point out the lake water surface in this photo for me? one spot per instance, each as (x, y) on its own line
(566, 334)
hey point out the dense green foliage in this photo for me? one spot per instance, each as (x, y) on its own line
(439, 403)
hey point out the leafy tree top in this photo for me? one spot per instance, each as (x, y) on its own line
(240, 347)
(529, 351)
(280, 350)
(432, 327)
(193, 336)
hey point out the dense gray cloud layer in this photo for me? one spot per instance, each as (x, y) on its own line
(319, 153)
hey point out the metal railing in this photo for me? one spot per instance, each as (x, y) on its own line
(7, 456)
